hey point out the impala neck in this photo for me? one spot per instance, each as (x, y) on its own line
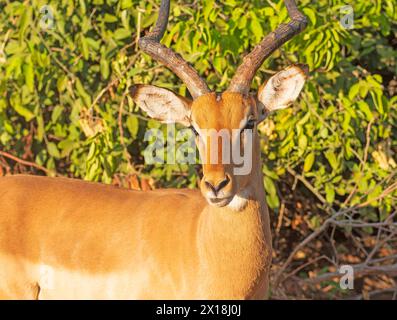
(235, 245)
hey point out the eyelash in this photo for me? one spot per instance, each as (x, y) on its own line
(250, 124)
(194, 131)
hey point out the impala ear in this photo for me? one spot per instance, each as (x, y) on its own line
(282, 89)
(162, 104)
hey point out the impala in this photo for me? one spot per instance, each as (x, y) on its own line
(69, 239)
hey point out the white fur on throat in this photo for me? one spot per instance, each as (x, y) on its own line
(239, 201)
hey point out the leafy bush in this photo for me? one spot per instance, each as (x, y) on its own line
(64, 89)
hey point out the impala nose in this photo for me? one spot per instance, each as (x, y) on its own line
(217, 186)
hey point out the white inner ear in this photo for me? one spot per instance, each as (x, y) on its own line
(162, 104)
(283, 88)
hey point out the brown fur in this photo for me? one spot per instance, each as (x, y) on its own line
(104, 242)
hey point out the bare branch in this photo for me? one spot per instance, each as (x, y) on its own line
(376, 292)
(359, 270)
(26, 163)
(334, 220)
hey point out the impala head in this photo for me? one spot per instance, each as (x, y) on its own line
(223, 122)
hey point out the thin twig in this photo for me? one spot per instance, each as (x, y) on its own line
(375, 292)
(26, 163)
(280, 217)
(324, 227)
(307, 185)
(112, 82)
(307, 264)
(359, 270)
(311, 237)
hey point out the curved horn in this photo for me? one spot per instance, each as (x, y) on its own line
(150, 44)
(241, 81)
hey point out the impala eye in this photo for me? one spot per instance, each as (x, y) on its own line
(250, 124)
(194, 131)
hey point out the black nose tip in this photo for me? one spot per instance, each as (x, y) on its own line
(217, 187)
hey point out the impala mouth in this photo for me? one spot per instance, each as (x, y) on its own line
(220, 202)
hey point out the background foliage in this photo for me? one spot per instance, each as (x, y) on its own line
(64, 101)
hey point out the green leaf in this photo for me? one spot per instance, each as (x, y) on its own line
(84, 47)
(104, 68)
(56, 112)
(83, 8)
(256, 27)
(93, 171)
(329, 193)
(354, 90)
(83, 94)
(309, 160)
(40, 128)
(66, 147)
(91, 152)
(61, 83)
(121, 34)
(109, 18)
(364, 107)
(53, 150)
(25, 21)
(302, 144)
(29, 75)
(269, 173)
(331, 157)
(125, 4)
(269, 186)
(21, 109)
(311, 14)
(133, 126)
(272, 201)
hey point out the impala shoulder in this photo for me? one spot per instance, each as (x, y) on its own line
(14, 181)
(179, 196)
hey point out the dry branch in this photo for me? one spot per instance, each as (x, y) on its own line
(359, 270)
(344, 219)
(26, 163)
